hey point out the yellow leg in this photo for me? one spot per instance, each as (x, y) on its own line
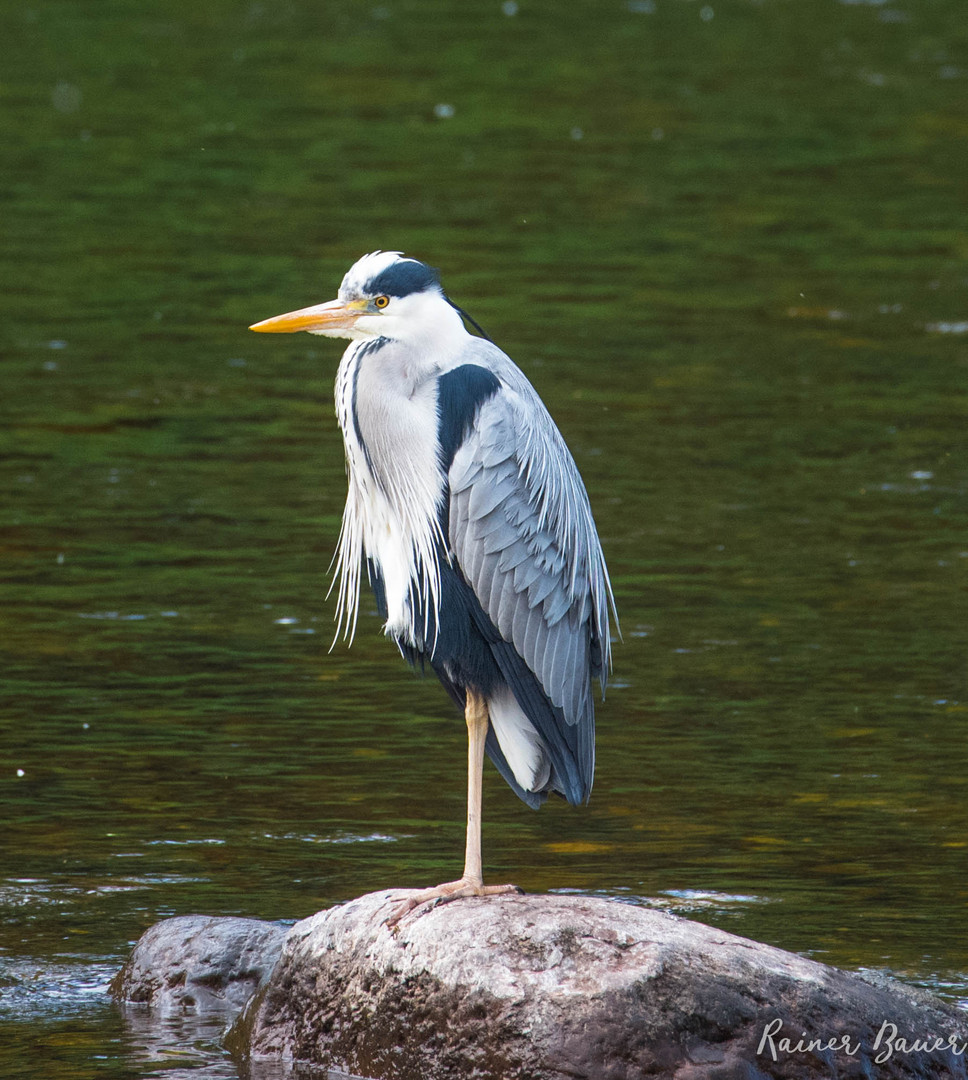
(476, 716)
(472, 881)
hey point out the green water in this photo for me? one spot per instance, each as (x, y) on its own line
(726, 242)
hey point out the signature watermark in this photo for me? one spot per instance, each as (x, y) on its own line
(887, 1042)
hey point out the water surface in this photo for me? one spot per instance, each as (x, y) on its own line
(726, 243)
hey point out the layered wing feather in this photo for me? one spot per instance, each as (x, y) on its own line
(521, 530)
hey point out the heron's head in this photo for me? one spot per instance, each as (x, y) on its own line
(384, 294)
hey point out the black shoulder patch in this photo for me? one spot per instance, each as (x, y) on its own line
(460, 394)
(403, 278)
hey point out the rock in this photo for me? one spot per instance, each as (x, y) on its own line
(556, 987)
(199, 963)
(536, 987)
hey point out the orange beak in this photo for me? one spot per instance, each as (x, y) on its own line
(336, 315)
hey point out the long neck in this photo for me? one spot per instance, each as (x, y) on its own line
(396, 482)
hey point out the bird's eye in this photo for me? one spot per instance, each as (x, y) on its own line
(382, 301)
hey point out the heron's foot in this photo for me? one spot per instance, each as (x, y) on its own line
(450, 890)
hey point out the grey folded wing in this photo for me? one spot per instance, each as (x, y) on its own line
(522, 533)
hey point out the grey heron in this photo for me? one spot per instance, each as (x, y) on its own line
(476, 532)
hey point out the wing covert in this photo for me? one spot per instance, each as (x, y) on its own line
(521, 529)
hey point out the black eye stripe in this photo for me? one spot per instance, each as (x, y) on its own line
(403, 277)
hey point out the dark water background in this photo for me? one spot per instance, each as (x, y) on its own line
(726, 241)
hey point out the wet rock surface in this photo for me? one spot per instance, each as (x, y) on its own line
(199, 963)
(555, 987)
